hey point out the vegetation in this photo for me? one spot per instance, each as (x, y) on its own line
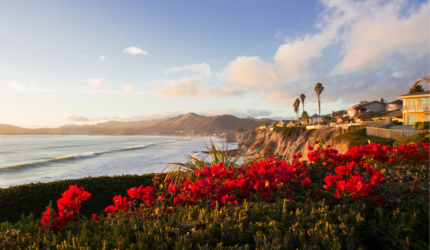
(364, 101)
(416, 89)
(296, 106)
(302, 98)
(240, 130)
(319, 88)
(414, 139)
(177, 171)
(421, 125)
(372, 197)
(305, 117)
(289, 131)
(359, 138)
(34, 197)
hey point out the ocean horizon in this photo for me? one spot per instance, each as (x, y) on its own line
(44, 158)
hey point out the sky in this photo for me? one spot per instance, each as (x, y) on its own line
(86, 62)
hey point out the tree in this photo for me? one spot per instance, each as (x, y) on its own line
(303, 97)
(319, 88)
(416, 88)
(364, 101)
(266, 124)
(424, 78)
(296, 105)
(241, 130)
(305, 117)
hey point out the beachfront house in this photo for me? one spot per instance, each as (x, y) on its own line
(416, 107)
(314, 119)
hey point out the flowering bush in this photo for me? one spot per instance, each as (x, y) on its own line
(375, 192)
(68, 205)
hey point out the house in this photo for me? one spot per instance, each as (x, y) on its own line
(416, 107)
(394, 105)
(282, 123)
(314, 118)
(357, 109)
(395, 115)
(365, 116)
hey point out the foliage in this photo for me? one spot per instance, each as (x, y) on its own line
(416, 88)
(333, 119)
(371, 197)
(34, 197)
(289, 131)
(364, 101)
(406, 140)
(395, 122)
(421, 125)
(358, 137)
(178, 171)
(240, 130)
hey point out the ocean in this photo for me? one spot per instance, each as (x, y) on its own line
(44, 158)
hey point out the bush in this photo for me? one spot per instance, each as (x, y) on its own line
(358, 137)
(421, 125)
(34, 197)
(371, 197)
(414, 139)
(289, 131)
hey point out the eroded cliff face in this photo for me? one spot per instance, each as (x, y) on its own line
(274, 142)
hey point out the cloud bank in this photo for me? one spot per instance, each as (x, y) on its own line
(135, 51)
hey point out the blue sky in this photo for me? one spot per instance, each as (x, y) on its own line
(67, 62)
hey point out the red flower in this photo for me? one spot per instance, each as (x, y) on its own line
(198, 173)
(177, 201)
(379, 200)
(341, 170)
(95, 217)
(110, 210)
(306, 182)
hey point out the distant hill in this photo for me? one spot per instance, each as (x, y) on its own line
(183, 124)
(194, 122)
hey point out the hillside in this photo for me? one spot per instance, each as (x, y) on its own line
(190, 123)
(195, 123)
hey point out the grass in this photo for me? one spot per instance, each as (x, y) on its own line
(414, 139)
(359, 138)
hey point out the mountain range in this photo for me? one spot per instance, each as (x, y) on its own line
(190, 124)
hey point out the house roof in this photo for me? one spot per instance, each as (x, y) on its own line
(397, 113)
(314, 116)
(360, 105)
(367, 114)
(395, 102)
(425, 93)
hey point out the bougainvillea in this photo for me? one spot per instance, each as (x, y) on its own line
(68, 205)
(350, 177)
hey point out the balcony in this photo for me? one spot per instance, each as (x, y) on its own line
(416, 108)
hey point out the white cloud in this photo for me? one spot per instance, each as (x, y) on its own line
(135, 51)
(15, 85)
(178, 88)
(102, 57)
(150, 116)
(128, 90)
(74, 118)
(97, 81)
(202, 69)
(398, 74)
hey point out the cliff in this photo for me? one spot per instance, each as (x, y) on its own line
(285, 146)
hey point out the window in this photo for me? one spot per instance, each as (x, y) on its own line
(424, 102)
(427, 118)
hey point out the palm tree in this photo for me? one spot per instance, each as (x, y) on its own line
(424, 78)
(295, 108)
(417, 88)
(319, 88)
(298, 107)
(303, 97)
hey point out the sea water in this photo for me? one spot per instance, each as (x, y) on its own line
(43, 158)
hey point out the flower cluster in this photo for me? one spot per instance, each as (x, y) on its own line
(68, 205)
(353, 176)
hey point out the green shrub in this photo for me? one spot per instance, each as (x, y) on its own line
(255, 225)
(34, 197)
(358, 137)
(421, 125)
(414, 139)
(289, 131)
